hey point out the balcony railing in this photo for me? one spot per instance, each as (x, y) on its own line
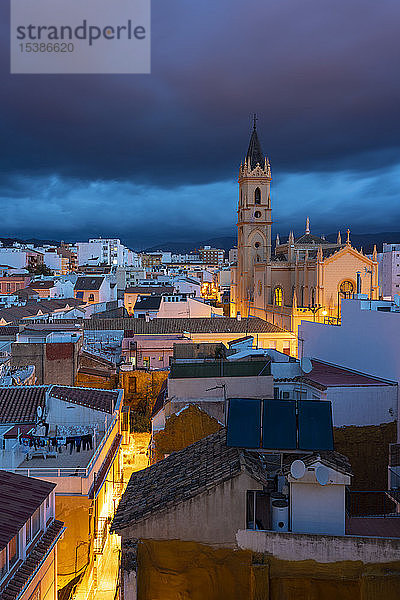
(100, 534)
(51, 472)
(370, 503)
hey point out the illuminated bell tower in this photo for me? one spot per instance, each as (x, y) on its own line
(254, 220)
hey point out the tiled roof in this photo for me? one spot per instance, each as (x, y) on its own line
(193, 325)
(149, 289)
(88, 283)
(331, 376)
(33, 307)
(308, 238)
(20, 496)
(102, 400)
(330, 458)
(18, 404)
(184, 475)
(8, 330)
(41, 285)
(35, 558)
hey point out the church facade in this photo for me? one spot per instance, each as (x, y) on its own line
(304, 278)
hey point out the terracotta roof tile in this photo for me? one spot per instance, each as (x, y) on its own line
(183, 475)
(193, 325)
(36, 556)
(20, 496)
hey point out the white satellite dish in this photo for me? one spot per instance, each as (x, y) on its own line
(39, 411)
(322, 475)
(396, 299)
(306, 365)
(297, 469)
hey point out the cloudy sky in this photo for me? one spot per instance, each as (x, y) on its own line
(153, 158)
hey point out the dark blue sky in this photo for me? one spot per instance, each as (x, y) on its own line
(155, 158)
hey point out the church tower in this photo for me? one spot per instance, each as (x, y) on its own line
(254, 220)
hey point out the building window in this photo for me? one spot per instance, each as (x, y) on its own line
(91, 297)
(346, 289)
(257, 214)
(257, 510)
(278, 296)
(312, 297)
(257, 196)
(3, 562)
(13, 551)
(35, 523)
(132, 385)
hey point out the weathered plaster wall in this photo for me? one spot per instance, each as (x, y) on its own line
(191, 425)
(367, 448)
(212, 517)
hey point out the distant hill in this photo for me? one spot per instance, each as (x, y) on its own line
(365, 241)
(10, 241)
(226, 243)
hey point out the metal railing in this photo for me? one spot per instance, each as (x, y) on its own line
(100, 534)
(370, 503)
(68, 471)
(393, 479)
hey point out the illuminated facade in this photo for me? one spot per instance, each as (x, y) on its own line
(307, 277)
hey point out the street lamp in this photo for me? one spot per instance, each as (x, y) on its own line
(314, 309)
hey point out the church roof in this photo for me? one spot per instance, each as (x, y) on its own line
(255, 153)
(308, 238)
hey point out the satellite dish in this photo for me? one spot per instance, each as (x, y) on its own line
(297, 469)
(396, 299)
(322, 475)
(306, 365)
(39, 411)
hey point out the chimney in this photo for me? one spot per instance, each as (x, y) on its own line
(239, 316)
(147, 317)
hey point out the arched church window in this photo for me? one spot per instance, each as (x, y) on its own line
(257, 258)
(346, 289)
(278, 296)
(312, 297)
(257, 214)
(257, 196)
(302, 296)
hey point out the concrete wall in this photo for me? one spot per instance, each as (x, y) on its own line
(369, 405)
(366, 340)
(236, 387)
(54, 363)
(317, 509)
(320, 548)
(45, 579)
(212, 517)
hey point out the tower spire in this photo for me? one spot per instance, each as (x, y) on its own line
(308, 226)
(254, 153)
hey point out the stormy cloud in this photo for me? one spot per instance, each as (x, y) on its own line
(164, 148)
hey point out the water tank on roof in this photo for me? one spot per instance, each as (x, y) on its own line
(280, 515)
